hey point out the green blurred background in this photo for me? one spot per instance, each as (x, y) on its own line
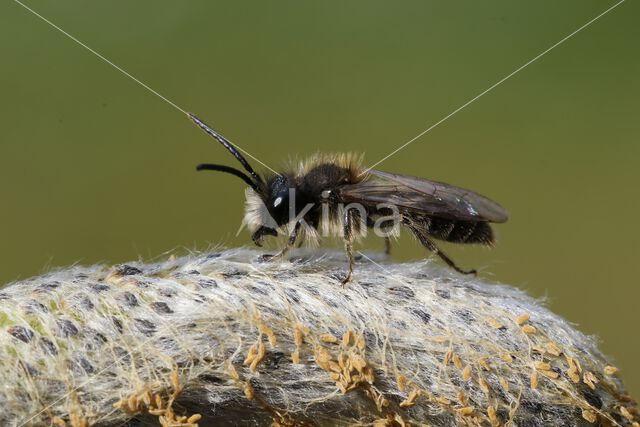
(94, 168)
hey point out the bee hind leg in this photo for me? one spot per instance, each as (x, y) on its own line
(451, 263)
(427, 243)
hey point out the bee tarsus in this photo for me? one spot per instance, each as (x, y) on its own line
(258, 235)
(387, 245)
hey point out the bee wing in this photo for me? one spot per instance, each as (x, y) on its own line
(432, 198)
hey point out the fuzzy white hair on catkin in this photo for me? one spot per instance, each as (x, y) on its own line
(220, 338)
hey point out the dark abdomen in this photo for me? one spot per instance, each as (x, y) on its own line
(457, 231)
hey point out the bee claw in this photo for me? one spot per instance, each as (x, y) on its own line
(258, 236)
(346, 280)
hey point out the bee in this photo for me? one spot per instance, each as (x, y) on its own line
(335, 194)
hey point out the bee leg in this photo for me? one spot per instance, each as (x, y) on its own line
(427, 243)
(387, 239)
(348, 244)
(349, 249)
(290, 243)
(448, 260)
(258, 236)
(452, 264)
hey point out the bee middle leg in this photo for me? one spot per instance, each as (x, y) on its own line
(387, 239)
(348, 242)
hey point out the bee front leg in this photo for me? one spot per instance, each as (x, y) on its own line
(348, 243)
(258, 235)
(290, 243)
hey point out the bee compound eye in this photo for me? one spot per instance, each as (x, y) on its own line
(277, 202)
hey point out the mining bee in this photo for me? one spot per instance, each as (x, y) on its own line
(335, 194)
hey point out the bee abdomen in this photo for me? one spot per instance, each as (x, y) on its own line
(440, 228)
(459, 231)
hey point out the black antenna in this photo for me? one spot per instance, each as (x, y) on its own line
(228, 145)
(230, 170)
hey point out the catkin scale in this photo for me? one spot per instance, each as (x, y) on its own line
(209, 337)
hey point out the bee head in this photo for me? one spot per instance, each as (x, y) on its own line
(267, 202)
(276, 198)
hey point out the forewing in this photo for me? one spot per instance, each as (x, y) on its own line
(430, 197)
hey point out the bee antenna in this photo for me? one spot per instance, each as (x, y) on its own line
(228, 145)
(229, 170)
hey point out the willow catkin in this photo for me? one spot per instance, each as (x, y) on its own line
(220, 338)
